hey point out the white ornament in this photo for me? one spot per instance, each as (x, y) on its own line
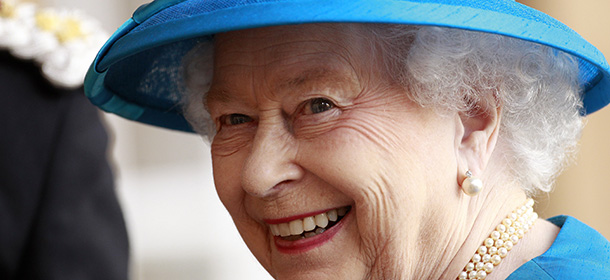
(471, 186)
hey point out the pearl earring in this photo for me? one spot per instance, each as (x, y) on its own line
(471, 186)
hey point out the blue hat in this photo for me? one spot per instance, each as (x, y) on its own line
(137, 73)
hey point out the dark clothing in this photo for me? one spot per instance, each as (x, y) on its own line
(578, 252)
(59, 215)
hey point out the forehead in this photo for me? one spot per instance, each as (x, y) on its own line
(292, 56)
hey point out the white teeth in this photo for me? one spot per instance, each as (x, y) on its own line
(275, 230)
(321, 220)
(296, 227)
(307, 225)
(284, 229)
(332, 215)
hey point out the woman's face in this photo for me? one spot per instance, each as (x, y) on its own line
(326, 166)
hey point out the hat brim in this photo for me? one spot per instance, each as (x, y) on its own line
(137, 73)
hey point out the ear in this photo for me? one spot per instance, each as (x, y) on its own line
(476, 138)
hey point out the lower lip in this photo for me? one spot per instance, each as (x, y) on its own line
(306, 244)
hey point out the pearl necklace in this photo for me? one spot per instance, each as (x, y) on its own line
(500, 242)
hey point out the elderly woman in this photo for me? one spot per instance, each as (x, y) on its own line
(373, 139)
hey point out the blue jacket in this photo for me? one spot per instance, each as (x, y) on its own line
(578, 252)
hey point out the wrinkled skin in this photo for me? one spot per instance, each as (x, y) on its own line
(308, 119)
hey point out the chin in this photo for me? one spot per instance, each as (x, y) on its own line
(334, 253)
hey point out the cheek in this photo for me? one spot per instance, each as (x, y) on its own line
(229, 151)
(360, 160)
(227, 178)
(382, 160)
(364, 155)
(227, 174)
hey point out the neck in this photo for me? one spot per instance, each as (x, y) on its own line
(474, 218)
(485, 212)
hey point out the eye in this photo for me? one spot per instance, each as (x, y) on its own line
(318, 105)
(234, 119)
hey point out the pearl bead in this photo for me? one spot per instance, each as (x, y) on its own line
(496, 260)
(493, 250)
(479, 266)
(495, 235)
(502, 252)
(499, 243)
(511, 230)
(514, 239)
(482, 250)
(486, 258)
(470, 266)
(507, 222)
(481, 275)
(508, 245)
(472, 275)
(501, 228)
(472, 186)
(505, 236)
(476, 258)
(463, 275)
(489, 267)
(489, 242)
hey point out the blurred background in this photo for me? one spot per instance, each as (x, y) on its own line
(178, 228)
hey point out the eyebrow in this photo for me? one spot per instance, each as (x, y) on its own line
(306, 78)
(221, 96)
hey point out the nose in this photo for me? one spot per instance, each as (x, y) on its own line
(271, 162)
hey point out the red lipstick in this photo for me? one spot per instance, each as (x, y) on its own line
(306, 244)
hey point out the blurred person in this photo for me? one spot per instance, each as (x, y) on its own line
(59, 214)
(373, 139)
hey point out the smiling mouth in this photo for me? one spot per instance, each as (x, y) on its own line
(310, 226)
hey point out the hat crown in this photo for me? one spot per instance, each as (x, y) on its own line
(137, 74)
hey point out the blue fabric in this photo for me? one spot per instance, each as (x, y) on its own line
(578, 252)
